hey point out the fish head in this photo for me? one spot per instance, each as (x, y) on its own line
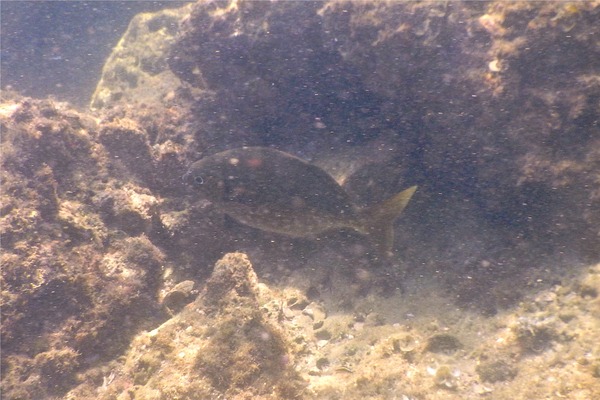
(207, 178)
(229, 177)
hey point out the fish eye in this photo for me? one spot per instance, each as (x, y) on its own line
(198, 179)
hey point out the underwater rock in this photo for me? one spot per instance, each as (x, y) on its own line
(128, 144)
(590, 286)
(137, 70)
(68, 276)
(231, 278)
(443, 343)
(376, 75)
(222, 345)
(403, 344)
(179, 296)
(378, 72)
(80, 224)
(535, 335)
(496, 371)
(56, 368)
(130, 208)
(445, 376)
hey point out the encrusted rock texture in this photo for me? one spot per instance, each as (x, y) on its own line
(82, 261)
(490, 107)
(222, 344)
(495, 101)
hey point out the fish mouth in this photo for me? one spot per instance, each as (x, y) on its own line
(185, 179)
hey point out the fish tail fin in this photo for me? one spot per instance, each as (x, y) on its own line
(378, 221)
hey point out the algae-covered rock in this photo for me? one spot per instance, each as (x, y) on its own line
(467, 98)
(180, 295)
(137, 68)
(222, 344)
(496, 371)
(74, 288)
(443, 343)
(447, 94)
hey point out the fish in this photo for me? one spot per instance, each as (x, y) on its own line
(277, 192)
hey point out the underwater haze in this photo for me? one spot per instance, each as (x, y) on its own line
(57, 48)
(332, 199)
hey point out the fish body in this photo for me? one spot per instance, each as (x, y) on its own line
(277, 192)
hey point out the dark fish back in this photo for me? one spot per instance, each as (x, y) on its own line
(266, 177)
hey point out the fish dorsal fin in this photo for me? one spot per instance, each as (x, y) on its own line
(378, 221)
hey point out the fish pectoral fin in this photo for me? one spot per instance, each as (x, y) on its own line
(378, 221)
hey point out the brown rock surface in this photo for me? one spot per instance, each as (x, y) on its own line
(73, 288)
